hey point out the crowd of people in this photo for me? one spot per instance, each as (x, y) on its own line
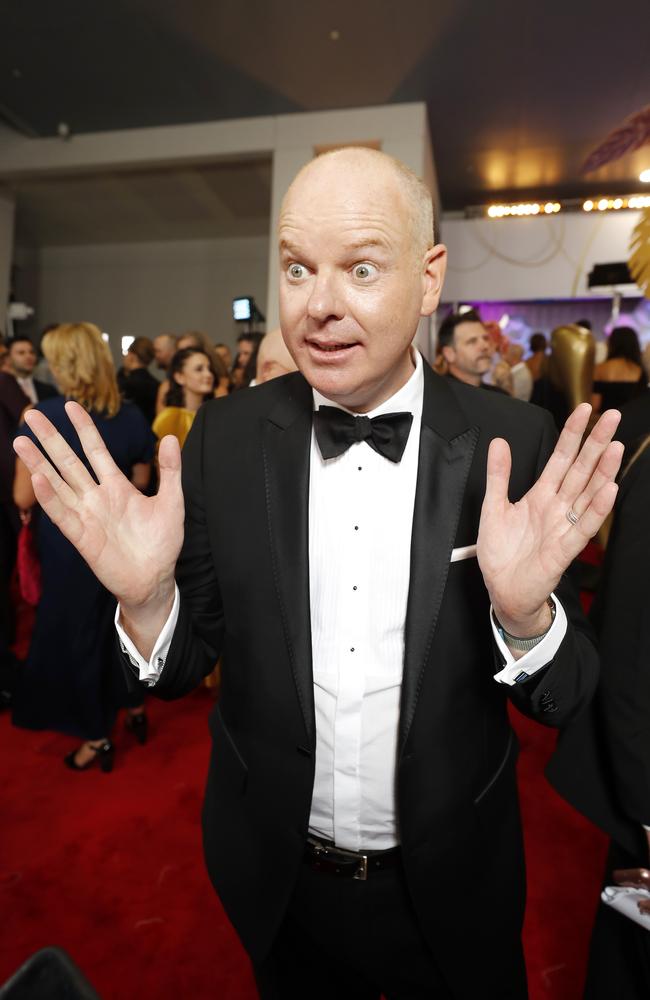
(303, 782)
(79, 692)
(479, 354)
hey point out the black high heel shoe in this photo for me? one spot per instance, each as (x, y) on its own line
(105, 754)
(138, 724)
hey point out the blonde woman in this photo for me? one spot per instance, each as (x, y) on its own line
(70, 682)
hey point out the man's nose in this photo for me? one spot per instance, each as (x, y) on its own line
(324, 299)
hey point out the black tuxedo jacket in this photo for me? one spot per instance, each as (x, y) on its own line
(244, 581)
(602, 762)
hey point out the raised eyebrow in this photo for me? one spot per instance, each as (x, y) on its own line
(365, 243)
(286, 246)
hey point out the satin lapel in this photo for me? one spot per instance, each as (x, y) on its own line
(286, 440)
(446, 449)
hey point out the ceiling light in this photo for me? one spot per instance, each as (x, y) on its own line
(524, 208)
(644, 176)
(588, 205)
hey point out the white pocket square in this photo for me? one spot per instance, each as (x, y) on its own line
(466, 552)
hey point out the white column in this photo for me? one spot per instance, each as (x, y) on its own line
(6, 255)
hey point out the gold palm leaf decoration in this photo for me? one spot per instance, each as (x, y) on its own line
(632, 134)
(639, 262)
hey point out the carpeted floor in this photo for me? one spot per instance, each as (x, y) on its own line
(109, 867)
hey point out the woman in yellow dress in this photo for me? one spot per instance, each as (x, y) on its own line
(192, 381)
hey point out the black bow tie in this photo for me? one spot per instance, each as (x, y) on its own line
(336, 430)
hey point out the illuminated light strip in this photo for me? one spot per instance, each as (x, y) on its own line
(609, 203)
(615, 204)
(524, 208)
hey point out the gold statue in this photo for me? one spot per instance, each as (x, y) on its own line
(571, 363)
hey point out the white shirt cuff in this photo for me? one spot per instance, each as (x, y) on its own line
(151, 671)
(518, 671)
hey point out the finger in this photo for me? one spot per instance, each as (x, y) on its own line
(92, 443)
(590, 522)
(581, 470)
(633, 877)
(169, 466)
(70, 468)
(566, 449)
(37, 463)
(499, 463)
(61, 514)
(605, 472)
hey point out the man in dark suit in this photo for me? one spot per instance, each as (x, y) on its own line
(22, 362)
(635, 424)
(602, 762)
(361, 823)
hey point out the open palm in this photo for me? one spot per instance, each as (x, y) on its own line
(131, 542)
(525, 547)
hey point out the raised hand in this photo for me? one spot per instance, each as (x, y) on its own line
(524, 548)
(131, 542)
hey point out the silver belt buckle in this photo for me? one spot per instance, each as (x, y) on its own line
(362, 868)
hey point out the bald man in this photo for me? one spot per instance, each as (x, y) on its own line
(351, 548)
(273, 358)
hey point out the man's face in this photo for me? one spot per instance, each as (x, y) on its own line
(164, 348)
(352, 284)
(471, 353)
(22, 358)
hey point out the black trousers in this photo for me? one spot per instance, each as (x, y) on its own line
(350, 940)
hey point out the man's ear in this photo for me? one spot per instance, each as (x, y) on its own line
(448, 354)
(435, 265)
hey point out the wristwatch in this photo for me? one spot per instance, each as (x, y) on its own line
(525, 645)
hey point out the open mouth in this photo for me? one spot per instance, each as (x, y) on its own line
(329, 348)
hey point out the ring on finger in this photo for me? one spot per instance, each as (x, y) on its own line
(572, 517)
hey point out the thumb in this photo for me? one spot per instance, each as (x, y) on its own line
(169, 465)
(498, 475)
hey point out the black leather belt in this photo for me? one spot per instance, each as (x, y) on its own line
(323, 856)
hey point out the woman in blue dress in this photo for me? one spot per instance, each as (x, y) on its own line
(71, 681)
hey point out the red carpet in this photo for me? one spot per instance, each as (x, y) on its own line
(109, 867)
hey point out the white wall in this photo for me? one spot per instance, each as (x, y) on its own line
(151, 288)
(530, 258)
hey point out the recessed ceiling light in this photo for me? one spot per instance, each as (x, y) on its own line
(645, 176)
(335, 34)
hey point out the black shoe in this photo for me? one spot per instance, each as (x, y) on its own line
(105, 754)
(138, 724)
